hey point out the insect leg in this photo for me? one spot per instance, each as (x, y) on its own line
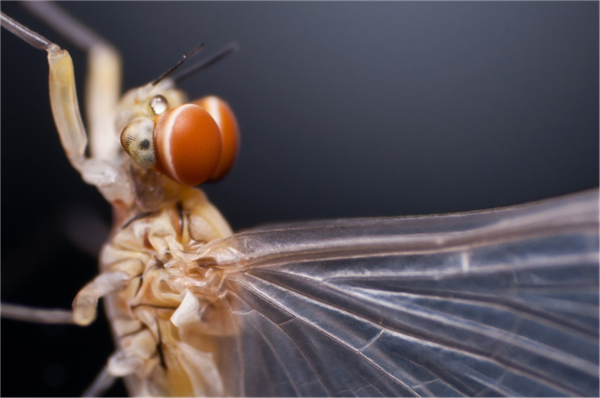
(30, 37)
(86, 301)
(103, 80)
(63, 98)
(36, 315)
(84, 305)
(103, 381)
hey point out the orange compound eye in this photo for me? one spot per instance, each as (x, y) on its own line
(188, 144)
(229, 130)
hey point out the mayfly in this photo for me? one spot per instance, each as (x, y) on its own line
(308, 270)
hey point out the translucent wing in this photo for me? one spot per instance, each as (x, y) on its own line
(499, 302)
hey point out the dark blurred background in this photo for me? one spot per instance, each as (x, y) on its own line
(346, 110)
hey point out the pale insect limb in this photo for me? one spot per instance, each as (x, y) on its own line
(64, 24)
(111, 180)
(103, 381)
(36, 315)
(36, 40)
(103, 83)
(84, 305)
(63, 98)
(86, 301)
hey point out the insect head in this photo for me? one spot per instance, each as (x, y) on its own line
(190, 143)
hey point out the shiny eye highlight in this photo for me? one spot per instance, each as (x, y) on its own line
(137, 139)
(159, 104)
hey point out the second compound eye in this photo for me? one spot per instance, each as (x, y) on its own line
(159, 104)
(137, 139)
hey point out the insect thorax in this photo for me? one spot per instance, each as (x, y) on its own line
(172, 311)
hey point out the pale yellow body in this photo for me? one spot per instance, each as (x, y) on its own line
(165, 310)
(165, 347)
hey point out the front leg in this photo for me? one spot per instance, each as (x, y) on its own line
(65, 108)
(63, 97)
(103, 82)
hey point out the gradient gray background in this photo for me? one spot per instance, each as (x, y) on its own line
(346, 110)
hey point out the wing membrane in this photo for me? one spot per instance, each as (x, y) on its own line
(500, 302)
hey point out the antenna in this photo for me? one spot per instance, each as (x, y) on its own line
(208, 62)
(195, 51)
